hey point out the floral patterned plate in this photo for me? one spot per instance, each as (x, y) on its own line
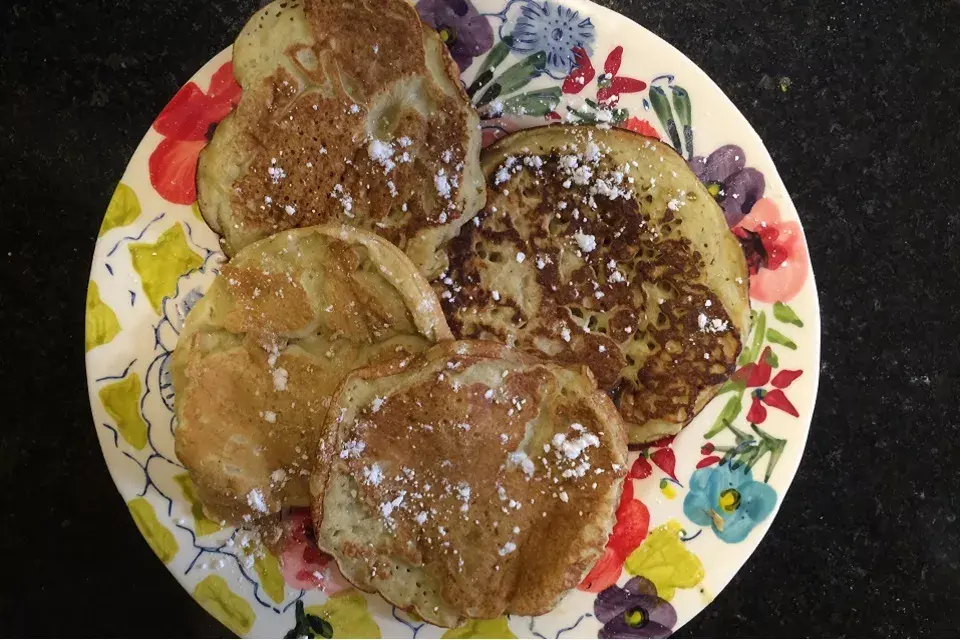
(694, 507)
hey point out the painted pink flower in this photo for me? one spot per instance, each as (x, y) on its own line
(187, 123)
(775, 251)
(303, 565)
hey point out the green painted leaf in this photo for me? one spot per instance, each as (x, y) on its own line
(681, 106)
(121, 399)
(583, 117)
(732, 385)
(774, 445)
(301, 628)
(776, 337)
(661, 106)
(202, 525)
(727, 415)
(320, 626)
(772, 359)
(489, 66)
(159, 538)
(784, 313)
(750, 354)
(234, 612)
(495, 628)
(101, 322)
(268, 570)
(533, 103)
(515, 78)
(347, 615)
(124, 209)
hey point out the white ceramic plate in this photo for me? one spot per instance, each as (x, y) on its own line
(699, 505)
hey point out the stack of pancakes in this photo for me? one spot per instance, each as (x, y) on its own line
(598, 298)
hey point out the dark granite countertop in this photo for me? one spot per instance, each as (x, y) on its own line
(867, 139)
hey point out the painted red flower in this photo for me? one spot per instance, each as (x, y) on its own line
(582, 73)
(707, 450)
(633, 524)
(756, 376)
(775, 251)
(186, 124)
(643, 127)
(302, 563)
(610, 84)
(659, 453)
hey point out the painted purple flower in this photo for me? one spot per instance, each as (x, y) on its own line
(731, 183)
(466, 33)
(634, 611)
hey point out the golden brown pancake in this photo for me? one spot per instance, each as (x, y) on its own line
(352, 112)
(468, 481)
(261, 353)
(601, 247)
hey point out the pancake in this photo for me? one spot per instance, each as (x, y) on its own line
(352, 112)
(468, 481)
(600, 246)
(260, 354)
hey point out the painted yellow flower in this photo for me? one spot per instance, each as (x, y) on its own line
(234, 612)
(668, 489)
(160, 264)
(268, 570)
(124, 209)
(203, 526)
(347, 613)
(121, 399)
(101, 322)
(665, 561)
(159, 538)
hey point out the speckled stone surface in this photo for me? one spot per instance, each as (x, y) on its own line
(866, 137)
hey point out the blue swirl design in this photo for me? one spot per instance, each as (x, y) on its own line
(126, 239)
(414, 628)
(157, 379)
(533, 623)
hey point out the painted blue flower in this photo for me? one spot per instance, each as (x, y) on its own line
(531, 27)
(728, 500)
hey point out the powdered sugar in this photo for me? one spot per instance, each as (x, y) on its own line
(256, 501)
(711, 325)
(442, 183)
(382, 153)
(352, 449)
(373, 474)
(586, 241)
(280, 378)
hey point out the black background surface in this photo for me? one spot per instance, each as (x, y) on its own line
(867, 139)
